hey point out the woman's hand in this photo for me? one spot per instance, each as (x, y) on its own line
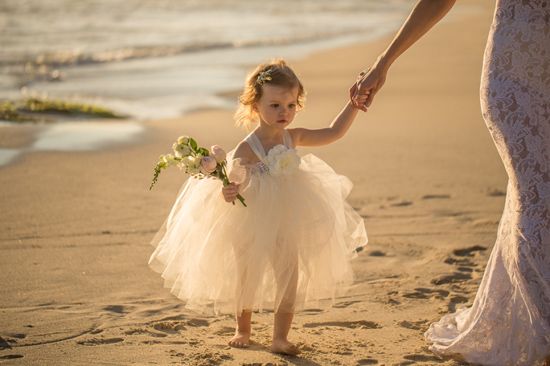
(230, 192)
(367, 85)
(422, 18)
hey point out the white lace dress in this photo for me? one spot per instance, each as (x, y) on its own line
(290, 248)
(509, 322)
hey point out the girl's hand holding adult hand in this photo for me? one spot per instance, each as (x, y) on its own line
(367, 85)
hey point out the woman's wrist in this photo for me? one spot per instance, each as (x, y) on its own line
(383, 63)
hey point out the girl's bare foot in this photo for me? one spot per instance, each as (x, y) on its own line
(240, 340)
(285, 347)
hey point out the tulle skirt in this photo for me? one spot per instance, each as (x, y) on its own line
(289, 249)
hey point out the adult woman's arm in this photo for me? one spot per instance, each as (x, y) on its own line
(422, 18)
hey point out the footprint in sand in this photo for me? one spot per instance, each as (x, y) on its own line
(361, 324)
(401, 204)
(171, 327)
(377, 253)
(119, 309)
(469, 251)
(455, 300)
(417, 325)
(393, 302)
(423, 358)
(153, 341)
(436, 196)
(456, 277)
(426, 293)
(174, 317)
(345, 304)
(198, 323)
(367, 361)
(176, 323)
(4, 344)
(494, 192)
(225, 331)
(18, 335)
(465, 262)
(205, 358)
(144, 331)
(462, 215)
(10, 357)
(100, 341)
(465, 266)
(311, 311)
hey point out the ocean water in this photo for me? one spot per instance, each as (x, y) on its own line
(162, 58)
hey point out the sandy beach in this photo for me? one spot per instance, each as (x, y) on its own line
(75, 227)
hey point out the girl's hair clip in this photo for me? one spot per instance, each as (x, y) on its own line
(263, 77)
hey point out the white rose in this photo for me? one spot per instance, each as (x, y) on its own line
(181, 150)
(193, 164)
(183, 140)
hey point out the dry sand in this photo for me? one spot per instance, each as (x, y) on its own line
(75, 227)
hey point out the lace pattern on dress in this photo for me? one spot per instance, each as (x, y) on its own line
(509, 322)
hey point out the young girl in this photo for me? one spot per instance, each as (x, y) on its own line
(292, 245)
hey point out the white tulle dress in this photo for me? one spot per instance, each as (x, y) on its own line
(289, 249)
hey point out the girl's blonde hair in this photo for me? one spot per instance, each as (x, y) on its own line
(277, 72)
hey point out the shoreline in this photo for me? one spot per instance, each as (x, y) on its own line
(301, 51)
(184, 69)
(75, 228)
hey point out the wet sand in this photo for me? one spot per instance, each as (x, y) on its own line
(75, 226)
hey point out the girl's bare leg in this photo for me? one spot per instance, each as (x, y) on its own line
(285, 313)
(281, 327)
(241, 339)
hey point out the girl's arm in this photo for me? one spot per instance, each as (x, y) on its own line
(324, 136)
(245, 155)
(423, 17)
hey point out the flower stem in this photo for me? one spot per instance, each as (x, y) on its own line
(226, 182)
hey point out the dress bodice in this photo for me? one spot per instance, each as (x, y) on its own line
(281, 159)
(256, 145)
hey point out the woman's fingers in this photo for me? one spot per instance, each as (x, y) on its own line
(366, 87)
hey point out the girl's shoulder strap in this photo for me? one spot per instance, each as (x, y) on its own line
(254, 142)
(287, 139)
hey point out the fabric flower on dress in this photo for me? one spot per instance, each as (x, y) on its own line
(282, 161)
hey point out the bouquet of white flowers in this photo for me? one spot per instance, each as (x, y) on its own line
(197, 161)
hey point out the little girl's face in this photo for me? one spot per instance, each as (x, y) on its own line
(277, 106)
